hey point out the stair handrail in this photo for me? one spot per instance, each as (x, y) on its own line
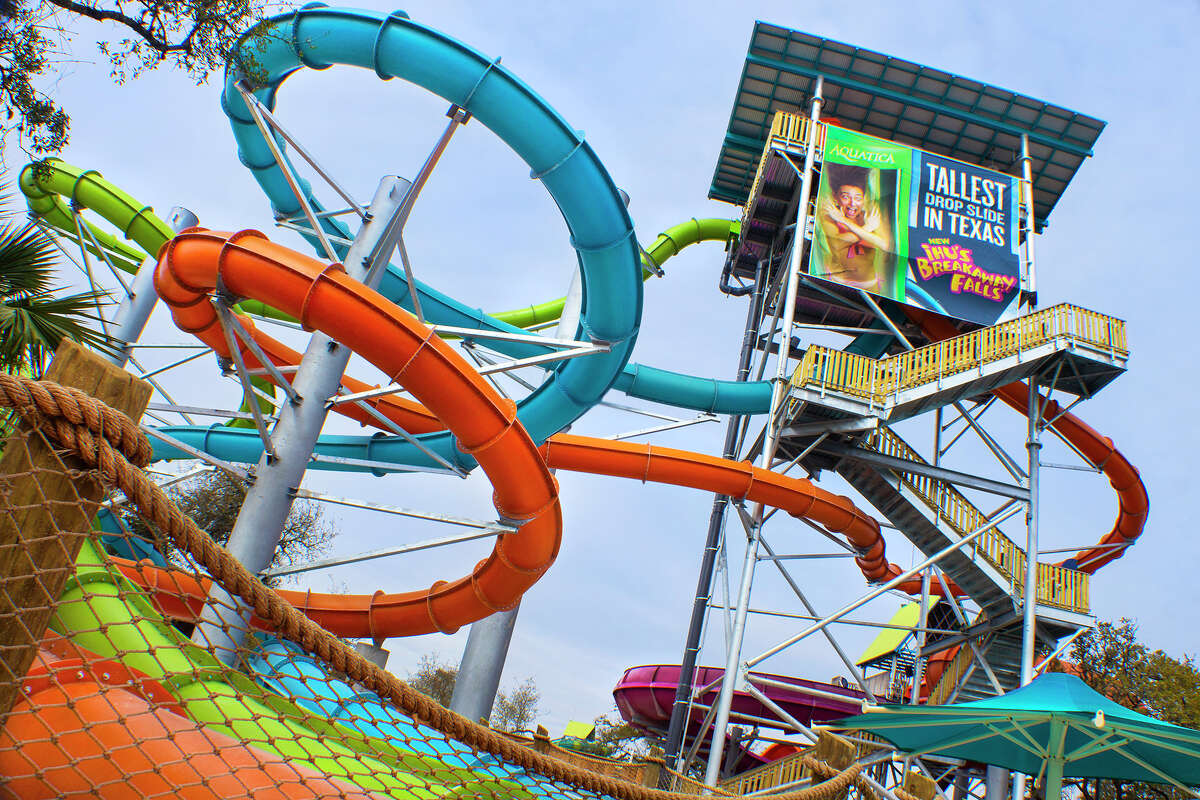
(879, 379)
(1056, 585)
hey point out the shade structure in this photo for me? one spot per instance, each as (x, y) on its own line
(1057, 726)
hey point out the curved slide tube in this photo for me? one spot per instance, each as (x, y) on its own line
(636, 380)
(483, 424)
(601, 231)
(646, 694)
(53, 186)
(383, 615)
(395, 46)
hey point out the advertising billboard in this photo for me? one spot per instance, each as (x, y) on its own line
(915, 227)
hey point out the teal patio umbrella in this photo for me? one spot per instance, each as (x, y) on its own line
(1057, 726)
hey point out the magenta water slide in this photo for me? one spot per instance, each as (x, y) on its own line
(645, 695)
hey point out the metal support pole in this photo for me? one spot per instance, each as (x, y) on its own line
(488, 642)
(716, 521)
(1029, 615)
(996, 783)
(482, 665)
(1029, 620)
(260, 523)
(732, 661)
(770, 442)
(1030, 264)
(918, 668)
(134, 311)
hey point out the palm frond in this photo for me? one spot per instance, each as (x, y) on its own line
(27, 257)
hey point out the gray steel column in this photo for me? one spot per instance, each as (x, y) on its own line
(919, 667)
(996, 783)
(269, 500)
(1027, 175)
(1029, 610)
(691, 649)
(770, 442)
(1029, 620)
(482, 665)
(483, 658)
(733, 659)
(134, 311)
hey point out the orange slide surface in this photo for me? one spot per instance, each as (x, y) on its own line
(323, 297)
(84, 726)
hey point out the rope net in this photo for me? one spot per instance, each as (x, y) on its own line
(190, 678)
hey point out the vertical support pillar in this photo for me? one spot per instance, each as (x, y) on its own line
(733, 658)
(918, 668)
(770, 443)
(134, 311)
(996, 783)
(483, 659)
(1029, 617)
(260, 522)
(716, 520)
(482, 665)
(1029, 604)
(1027, 179)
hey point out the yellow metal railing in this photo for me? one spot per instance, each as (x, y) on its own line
(787, 131)
(786, 770)
(950, 678)
(1057, 586)
(878, 380)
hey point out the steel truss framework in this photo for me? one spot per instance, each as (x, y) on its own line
(818, 443)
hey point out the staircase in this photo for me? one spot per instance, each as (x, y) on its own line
(991, 570)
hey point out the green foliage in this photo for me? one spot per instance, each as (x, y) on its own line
(33, 318)
(1111, 660)
(25, 50)
(514, 710)
(213, 502)
(197, 37)
(434, 679)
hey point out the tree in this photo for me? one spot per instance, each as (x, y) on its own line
(616, 738)
(33, 318)
(195, 36)
(1111, 660)
(213, 502)
(515, 710)
(434, 679)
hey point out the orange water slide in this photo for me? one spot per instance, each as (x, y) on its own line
(85, 727)
(200, 319)
(323, 297)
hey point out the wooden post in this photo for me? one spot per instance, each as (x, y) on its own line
(652, 768)
(48, 514)
(834, 750)
(917, 784)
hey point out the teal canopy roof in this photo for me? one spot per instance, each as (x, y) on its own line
(1057, 716)
(898, 100)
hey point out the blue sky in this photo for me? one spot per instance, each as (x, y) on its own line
(652, 86)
